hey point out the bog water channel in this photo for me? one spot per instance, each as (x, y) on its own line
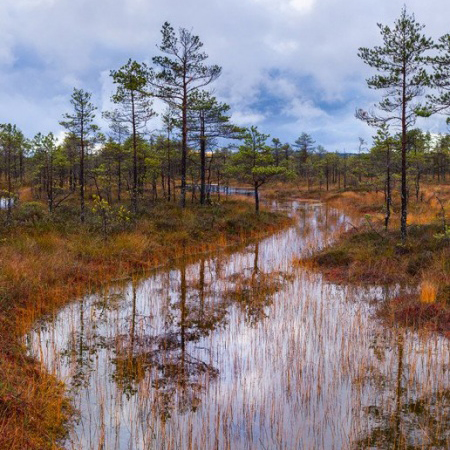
(247, 350)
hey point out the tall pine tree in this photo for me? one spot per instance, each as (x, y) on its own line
(80, 124)
(134, 110)
(181, 72)
(400, 62)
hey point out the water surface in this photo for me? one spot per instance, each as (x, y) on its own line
(247, 351)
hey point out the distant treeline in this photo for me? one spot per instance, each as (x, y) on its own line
(130, 166)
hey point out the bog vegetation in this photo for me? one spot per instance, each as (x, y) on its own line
(99, 205)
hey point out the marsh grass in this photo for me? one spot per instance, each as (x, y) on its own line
(369, 254)
(245, 350)
(47, 261)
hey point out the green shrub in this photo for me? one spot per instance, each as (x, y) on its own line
(30, 212)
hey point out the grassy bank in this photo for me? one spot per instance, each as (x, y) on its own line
(370, 254)
(47, 261)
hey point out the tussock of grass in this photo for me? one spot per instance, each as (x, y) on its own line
(376, 257)
(368, 254)
(44, 263)
(408, 311)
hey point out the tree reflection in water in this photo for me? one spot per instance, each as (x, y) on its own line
(254, 292)
(178, 376)
(406, 421)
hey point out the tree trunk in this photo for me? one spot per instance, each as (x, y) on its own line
(418, 184)
(404, 211)
(169, 168)
(202, 160)
(388, 189)
(82, 175)
(134, 191)
(256, 198)
(8, 175)
(184, 147)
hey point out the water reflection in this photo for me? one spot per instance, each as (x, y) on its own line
(406, 416)
(176, 374)
(246, 351)
(253, 290)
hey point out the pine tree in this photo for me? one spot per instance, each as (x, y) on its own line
(80, 125)
(182, 72)
(305, 146)
(207, 121)
(254, 163)
(401, 62)
(135, 110)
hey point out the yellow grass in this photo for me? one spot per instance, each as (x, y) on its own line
(428, 292)
(42, 269)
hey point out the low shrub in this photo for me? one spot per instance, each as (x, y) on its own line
(30, 212)
(333, 258)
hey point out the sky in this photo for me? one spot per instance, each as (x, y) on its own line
(289, 66)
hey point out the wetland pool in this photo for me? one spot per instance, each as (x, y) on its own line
(246, 350)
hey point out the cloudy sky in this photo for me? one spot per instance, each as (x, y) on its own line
(288, 65)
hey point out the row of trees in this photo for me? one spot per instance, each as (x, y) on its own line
(128, 161)
(122, 165)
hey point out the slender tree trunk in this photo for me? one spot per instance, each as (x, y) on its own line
(388, 188)
(154, 188)
(163, 184)
(82, 174)
(256, 198)
(50, 185)
(70, 180)
(184, 147)
(418, 184)
(169, 167)
(404, 194)
(194, 188)
(202, 159)
(9, 180)
(174, 193)
(134, 192)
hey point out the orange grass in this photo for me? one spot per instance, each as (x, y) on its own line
(42, 269)
(369, 254)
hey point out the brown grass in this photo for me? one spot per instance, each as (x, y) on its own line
(43, 266)
(368, 254)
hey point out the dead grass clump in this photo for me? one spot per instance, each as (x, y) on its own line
(409, 310)
(45, 263)
(33, 410)
(334, 258)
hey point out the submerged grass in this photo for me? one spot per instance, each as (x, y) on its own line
(369, 254)
(245, 351)
(45, 263)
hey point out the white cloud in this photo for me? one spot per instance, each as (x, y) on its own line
(286, 6)
(247, 118)
(302, 5)
(49, 46)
